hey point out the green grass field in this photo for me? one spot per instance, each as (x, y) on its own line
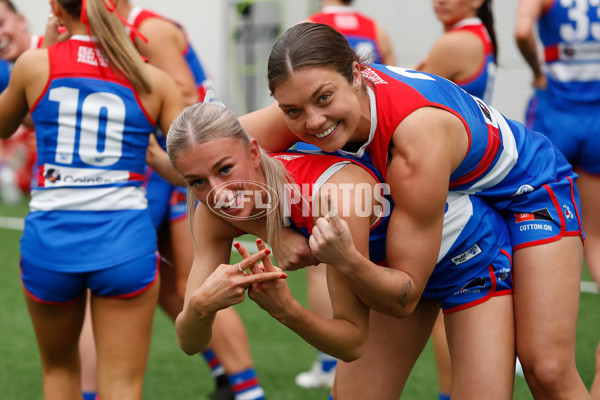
(278, 353)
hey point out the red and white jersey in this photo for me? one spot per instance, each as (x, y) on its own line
(138, 15)
(357, 28)
(481, 84)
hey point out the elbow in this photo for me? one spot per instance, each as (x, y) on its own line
(354, 352)
(187, 348)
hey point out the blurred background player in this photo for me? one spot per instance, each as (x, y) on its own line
(168, 48)
(466, 54)
(368, 39)
(566, 83)
(80, 234)
(17, 154)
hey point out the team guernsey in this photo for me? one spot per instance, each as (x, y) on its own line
(567, 110)
(570, 33)
(481, 84)
(474, 262)
(518, 171)
(92, 133)
(5, 70)
(358, 29)
(138, 15)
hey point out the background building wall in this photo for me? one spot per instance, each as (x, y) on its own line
(412, 26)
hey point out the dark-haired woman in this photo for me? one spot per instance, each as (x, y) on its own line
(427, 136)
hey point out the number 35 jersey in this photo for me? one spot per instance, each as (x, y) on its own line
(91, 134)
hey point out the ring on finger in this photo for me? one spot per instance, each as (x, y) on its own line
(240, 267)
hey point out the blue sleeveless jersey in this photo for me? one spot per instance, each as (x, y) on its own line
(570, 33)
(88, 210)
(5, 69)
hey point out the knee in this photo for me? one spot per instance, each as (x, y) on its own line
(547, 372)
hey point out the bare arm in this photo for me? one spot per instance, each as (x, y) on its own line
(164, 49)
(268, 126)
(418, 182)
(385, 45)
(213, 284)
(27, 80)
(171, 104)
(454, 56)
(528, 12)
(344, 336)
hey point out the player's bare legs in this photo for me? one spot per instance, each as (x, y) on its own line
(122, 328)
(442, 356)
(589, 192)
(393, 348)
(488, 329)
(57, 329)
(87, 352)
(546, 295)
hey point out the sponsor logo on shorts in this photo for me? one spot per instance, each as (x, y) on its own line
(568, 214)
(467, 255)
(542, 214)
(475, 286)
(523, 189)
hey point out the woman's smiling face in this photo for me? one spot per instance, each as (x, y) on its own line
(321, 107)
(224, 175)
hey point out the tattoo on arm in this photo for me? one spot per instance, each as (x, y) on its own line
(404, 292)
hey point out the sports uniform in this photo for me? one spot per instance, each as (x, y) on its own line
(358, 29)
(139, 15)
(474, 262)
(5, 68)
(89, 212)
(481, 84)
(165, 198)
(571, 43)
(517, 171)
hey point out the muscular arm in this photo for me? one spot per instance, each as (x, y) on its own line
(528, 13)
(164, 49)
(268, 126)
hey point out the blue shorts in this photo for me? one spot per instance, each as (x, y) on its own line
(575, 131)
(545, 215)
(476, 253)
(121, 281)
(478, 285)
(166, 202)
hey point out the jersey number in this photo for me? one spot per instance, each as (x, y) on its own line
(578, 10)
(88, 124)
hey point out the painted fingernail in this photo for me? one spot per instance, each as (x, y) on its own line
(236, 245)
(267, 251)
(258, 241)
(283, 276)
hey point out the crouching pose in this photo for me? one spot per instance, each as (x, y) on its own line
(242, 189)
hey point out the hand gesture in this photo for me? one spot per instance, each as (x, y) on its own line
(227, 285)
(331, 241)
(273, 296)
(292, 251)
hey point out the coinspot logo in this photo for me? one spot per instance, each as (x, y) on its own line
(229, 198)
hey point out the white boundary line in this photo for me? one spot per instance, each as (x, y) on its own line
(12, 223)
(18, 224)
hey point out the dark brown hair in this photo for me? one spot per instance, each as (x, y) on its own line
(309, 45)
(486, 16)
